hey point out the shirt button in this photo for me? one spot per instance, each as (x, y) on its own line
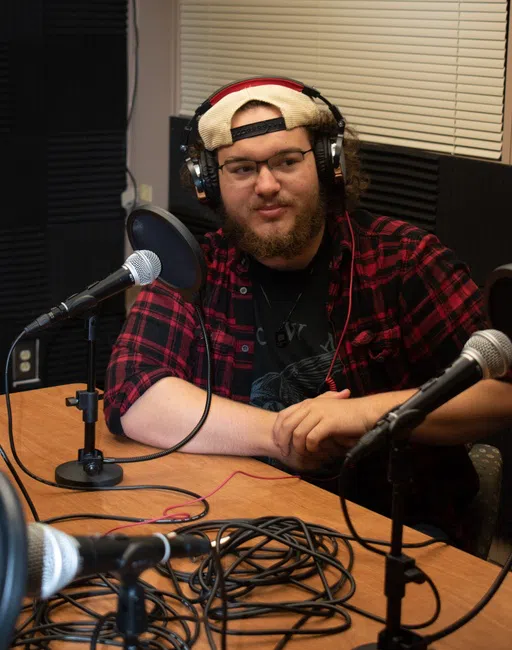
(243, 290)
(245, 348)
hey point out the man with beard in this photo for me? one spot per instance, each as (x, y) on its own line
(320, 321)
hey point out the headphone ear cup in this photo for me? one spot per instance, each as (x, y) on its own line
(210, 177)
(322, 150)
(330, 159)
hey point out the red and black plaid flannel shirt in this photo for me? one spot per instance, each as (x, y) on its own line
(414, 308)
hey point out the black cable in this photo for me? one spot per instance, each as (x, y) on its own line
(236, 577)
(10, 466)
(136, 69)
(172, 621)
(134, 94)
(188, 438)
(343, 481)
(267, 553)
(98, 627)
(164, 520)
(476, 609)
(135, 190)
(428, 639)
(117, 488)
(250, 557)
(218, 586)
(18, 480)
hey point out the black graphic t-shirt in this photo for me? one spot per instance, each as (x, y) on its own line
(285, 375)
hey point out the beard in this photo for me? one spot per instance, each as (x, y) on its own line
(308, 223)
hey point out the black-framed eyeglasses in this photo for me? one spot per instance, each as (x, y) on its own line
(284, 162)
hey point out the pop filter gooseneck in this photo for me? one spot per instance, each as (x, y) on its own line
(13, 560)
(183, 265)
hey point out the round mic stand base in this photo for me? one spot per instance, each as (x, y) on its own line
(407, 640)
(73, 474)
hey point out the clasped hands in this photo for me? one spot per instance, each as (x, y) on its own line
(319, 429)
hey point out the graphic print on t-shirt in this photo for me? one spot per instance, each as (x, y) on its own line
(275, 390)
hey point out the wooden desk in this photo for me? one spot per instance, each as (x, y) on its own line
(47, 434)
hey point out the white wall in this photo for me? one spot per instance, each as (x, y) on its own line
(148, 135)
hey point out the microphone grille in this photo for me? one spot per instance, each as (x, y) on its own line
(35, 555)
(495, 349)
(145, 266)
(53, 560)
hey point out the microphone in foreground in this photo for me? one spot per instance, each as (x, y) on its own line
(142, 267)
(486, 355)
(55, 558)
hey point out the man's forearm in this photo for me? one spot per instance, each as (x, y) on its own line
(172, 407)
(482, 409)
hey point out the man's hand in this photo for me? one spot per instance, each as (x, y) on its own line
(330, 423)
(306, 462)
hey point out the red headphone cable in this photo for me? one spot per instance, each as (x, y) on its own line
(330, 380)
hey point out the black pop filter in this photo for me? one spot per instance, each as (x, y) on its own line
(498, 299)
(13, 560)
(183, 266)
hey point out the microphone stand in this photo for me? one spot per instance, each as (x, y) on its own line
(400, 569)
(89, 470)
(131, 618)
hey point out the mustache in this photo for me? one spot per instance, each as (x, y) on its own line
(281, 203)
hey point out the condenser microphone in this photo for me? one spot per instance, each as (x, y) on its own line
(55, 558)
(486, 355)
(142, 267)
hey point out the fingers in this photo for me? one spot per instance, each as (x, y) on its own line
(293, 424)
(319, 439)
(285, 424)
(308, 462)
(280, 435)
(301, 429)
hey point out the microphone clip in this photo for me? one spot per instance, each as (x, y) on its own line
(87, 402)
(401, 423)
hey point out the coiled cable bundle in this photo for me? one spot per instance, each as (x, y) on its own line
(259, 557)
(86, 612)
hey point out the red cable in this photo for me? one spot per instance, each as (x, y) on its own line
(184, 515)
(330, 380)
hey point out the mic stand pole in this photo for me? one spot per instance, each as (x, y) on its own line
(400, 569)
(131, 618)
(89, 470)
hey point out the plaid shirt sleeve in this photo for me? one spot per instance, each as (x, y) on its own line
(441, 306)
(154, 343)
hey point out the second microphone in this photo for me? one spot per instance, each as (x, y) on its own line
(142, 267)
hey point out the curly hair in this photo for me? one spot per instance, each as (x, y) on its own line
(355, 182)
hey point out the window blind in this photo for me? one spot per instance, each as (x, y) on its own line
(426, 75)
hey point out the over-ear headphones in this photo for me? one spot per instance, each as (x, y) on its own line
(327, 148)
